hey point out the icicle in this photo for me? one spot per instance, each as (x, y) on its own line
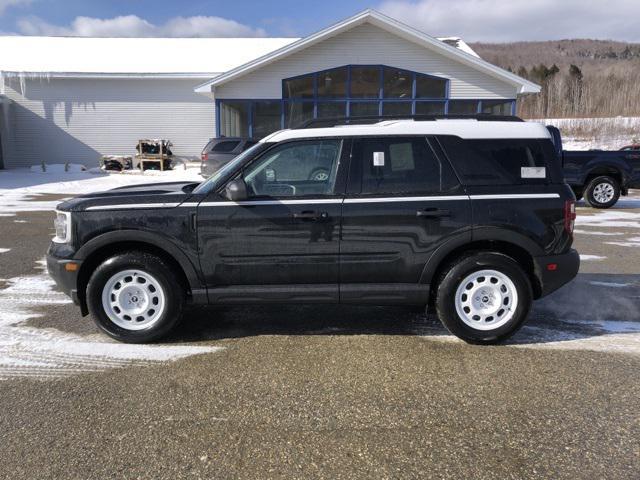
(23, 86)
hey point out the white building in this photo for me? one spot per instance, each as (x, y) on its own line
(74, 99)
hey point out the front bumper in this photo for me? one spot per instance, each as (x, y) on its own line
(554, 271)
(66, 280)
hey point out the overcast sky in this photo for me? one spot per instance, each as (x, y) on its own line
(474, 20)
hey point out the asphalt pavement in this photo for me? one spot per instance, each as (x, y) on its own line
(326, 391)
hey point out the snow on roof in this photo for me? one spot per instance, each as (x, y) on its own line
(138, 56)
(459, 44)
(164, 56)
(465, 128)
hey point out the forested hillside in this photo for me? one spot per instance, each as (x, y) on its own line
(580, 78)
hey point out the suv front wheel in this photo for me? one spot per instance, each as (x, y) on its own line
(484, 298)
(134, 297)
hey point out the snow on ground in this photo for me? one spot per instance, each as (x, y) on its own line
(624, 215)
(584, 257)
(610, 133)
(609, 219)
(610, 284)
(595, 232)
(49, 353)
(20, 188)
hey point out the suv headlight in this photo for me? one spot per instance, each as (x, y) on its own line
(62, 224)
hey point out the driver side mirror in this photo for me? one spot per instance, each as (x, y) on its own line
(236, 190)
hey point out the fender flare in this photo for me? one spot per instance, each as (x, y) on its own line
(464, 239)
(620, 168)
(141, 236)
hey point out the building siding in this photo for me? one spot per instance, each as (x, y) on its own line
(78, 120)
(367, 44)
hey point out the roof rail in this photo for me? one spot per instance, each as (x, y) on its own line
(372, 119)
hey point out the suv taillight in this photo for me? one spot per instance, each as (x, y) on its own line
(204, 157)
(569, 216)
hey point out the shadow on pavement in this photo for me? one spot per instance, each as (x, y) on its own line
(594, 305)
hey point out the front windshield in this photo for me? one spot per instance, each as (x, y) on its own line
(211, 182)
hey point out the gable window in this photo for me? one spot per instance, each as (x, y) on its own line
(300, 87)
(430, 87)
(362, 90)
(349, 91)
(397, 83)
(333, 83)
(365, 82)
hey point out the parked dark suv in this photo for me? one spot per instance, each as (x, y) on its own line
(220, 151)
(471, 218)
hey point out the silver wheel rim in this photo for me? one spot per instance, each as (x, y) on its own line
(320, 176)
(133, 299)
(603, 192)
(486, 300)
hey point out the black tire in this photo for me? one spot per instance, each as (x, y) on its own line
(458, 272)
(591, 191)
(174, 296)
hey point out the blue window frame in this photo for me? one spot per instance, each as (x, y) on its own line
(375, 90)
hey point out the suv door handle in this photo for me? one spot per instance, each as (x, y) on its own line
(433, 213)
(310, 215)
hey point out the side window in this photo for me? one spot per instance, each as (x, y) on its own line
(401, 165)
(295, 169)
(500, 162)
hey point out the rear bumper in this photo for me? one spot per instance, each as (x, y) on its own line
(66, 280)
(552, 278)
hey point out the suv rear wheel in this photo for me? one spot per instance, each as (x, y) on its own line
(602, 192)
(484, 298)
(134, 297)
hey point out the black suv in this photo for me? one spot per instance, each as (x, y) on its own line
(471, 218)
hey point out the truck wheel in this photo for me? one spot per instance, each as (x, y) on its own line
(134, 297)
(484, 298)
(602, 192)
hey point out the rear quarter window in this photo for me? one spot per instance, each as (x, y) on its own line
(225, 147)
(502, 162)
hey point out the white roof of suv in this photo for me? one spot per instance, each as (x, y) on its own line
(465, 128)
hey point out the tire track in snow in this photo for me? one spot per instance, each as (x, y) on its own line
(49, 353)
